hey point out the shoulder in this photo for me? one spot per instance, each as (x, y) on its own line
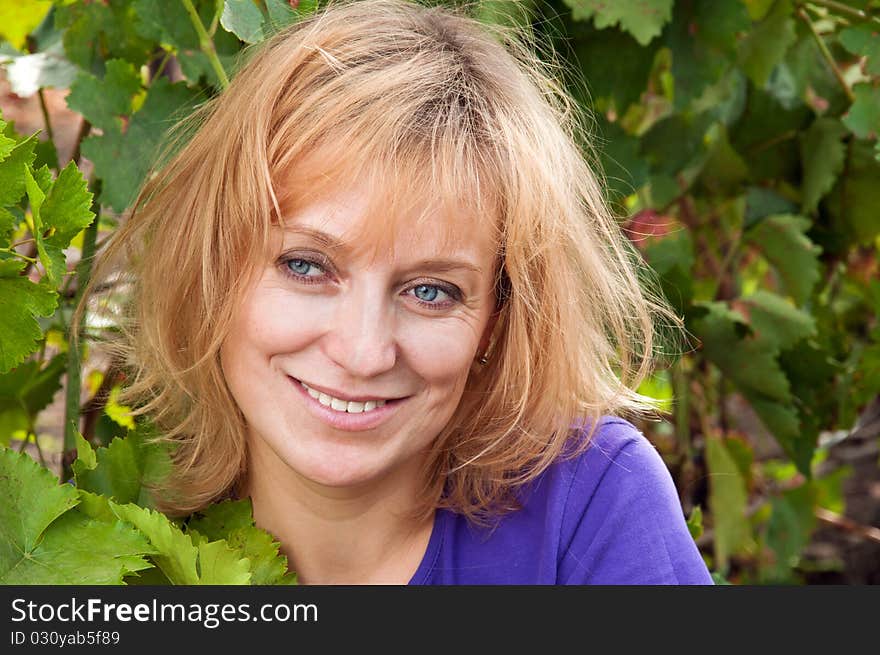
(623, 522)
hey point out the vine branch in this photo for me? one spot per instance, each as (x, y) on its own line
(826, 54)
(846, 10)
(206, 44)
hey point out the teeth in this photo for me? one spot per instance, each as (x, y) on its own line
(352, 407)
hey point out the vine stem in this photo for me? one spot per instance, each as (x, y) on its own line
(206, 44)
(74, 351)
(826, 54)
(846, 10)
(45, 111)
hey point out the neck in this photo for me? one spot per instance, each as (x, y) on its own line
(360, 535)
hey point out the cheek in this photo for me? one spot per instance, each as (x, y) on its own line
(271, 322)
(440, 354)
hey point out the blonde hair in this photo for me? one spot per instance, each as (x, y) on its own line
(410, 98)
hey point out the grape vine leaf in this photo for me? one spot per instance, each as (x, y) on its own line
(822, 155)
(783, 420)
(232, 520)
(27, 390)
(747, 360)
(168, 22)
(127, 470)
(12, 185)
(728, 499)
(178, 557)
(776, 320)
(854, 199)
(644, 19)
(622, 79)
(766, 44)
(782, 240)
(106, 103)
(703, 37)
(254, 21)
(21, 301)
(863, 118)
(94, 32)
(122, 159)
(792, 521)
(863, 40)
(43, 540)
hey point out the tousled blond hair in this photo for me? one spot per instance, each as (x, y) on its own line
(428, 106)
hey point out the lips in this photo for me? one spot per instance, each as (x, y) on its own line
(344, 419)
(349, 406)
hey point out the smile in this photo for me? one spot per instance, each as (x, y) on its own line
(347, 406)
(348, 415)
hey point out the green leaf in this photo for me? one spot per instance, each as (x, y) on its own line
(27, 390)
(854, 199)
(766, 44)
(776, 320)
(253, 21)
(233, 521)
(219, 564)
(782, 419)
(94, 32)
(20, 18)
(81, 551)
(695, 522)
(67, 209)
(703, 37)
(621, 79)
(12, 186)
(175, 553)
(43, 542)
(762, 202)
(760, 136)
(792, 521)
(675, 143)
(119, 414)
(169, 23)
(32, 499)
(7, 145)
(123, 160)
(644, 19)
(127, 470)
(106, 103)
(21, 301)
(863, 40)
(782, 240)
(672, 258)
(863, 118)
(51, 255)
(748, 361)
(178, 557)
(625, 170)
(728, 500)
(822, 155)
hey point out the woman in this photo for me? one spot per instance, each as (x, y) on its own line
(378, 292)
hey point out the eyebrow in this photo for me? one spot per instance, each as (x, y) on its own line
(330, 242)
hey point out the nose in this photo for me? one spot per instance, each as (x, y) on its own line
(362, 339)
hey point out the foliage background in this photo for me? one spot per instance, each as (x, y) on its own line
(739, 140)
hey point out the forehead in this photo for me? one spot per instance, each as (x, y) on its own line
(385, 215)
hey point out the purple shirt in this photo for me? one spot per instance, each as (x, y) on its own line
(609, 516)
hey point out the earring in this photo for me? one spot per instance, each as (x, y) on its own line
(484, 360)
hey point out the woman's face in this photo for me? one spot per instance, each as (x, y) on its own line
(348, 363)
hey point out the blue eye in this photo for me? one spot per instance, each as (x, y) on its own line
(302, 267)
(426, 292)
